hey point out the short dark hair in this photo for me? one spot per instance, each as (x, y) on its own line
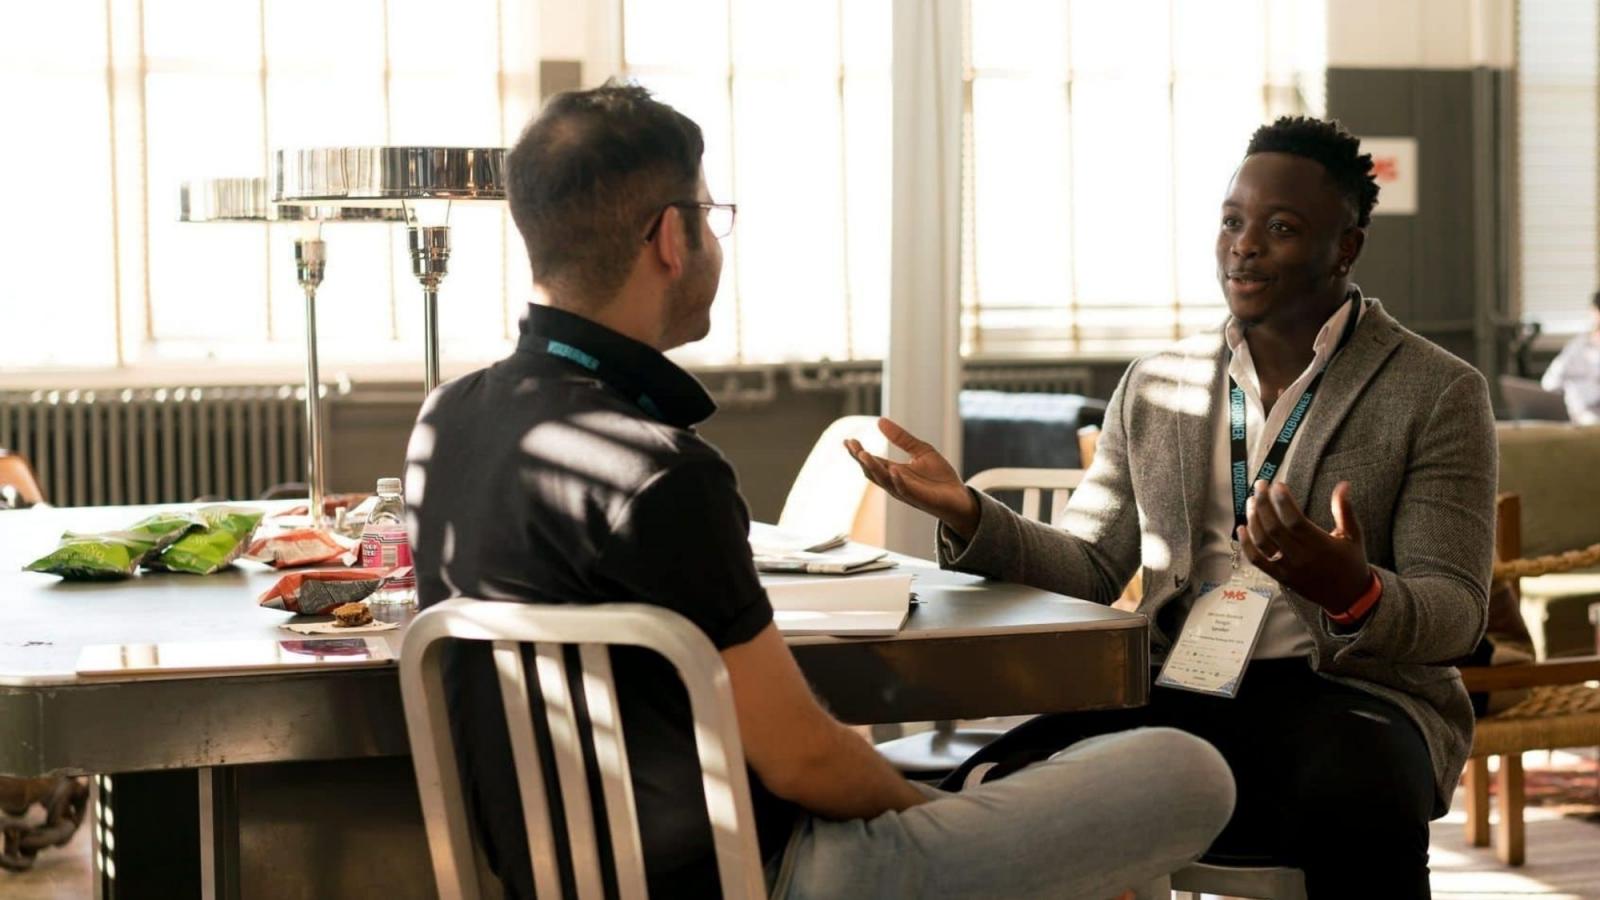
(1328, 143)
(587, 175)
(1595, 299)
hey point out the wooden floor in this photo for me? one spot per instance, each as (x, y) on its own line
(1563, 861)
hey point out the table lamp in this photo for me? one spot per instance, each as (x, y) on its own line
(411, 179)
(246, 200)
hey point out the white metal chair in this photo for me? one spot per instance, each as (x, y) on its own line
(934, 754)
(593, 629)
(1257, 882)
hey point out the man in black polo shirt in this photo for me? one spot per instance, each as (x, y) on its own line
(570, 472)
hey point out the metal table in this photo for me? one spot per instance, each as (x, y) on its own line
(293, 766)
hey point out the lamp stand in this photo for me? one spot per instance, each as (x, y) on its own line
(310, 259)
(430, 262)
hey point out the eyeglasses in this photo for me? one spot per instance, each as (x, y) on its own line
(719, 217)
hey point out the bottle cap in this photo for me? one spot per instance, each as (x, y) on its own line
(388, 485)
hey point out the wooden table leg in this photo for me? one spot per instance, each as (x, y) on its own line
(1477, 776)
(1509, 840)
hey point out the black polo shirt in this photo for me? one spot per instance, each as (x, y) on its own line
(570, 472)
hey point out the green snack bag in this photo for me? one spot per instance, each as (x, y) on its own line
(114, 554)
(162, 530)
(91, 557)
(226, 534)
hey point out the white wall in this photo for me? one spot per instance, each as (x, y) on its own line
(1421, 34)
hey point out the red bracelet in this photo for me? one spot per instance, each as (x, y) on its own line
(1363, 605)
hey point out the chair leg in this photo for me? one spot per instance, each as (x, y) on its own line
(1478, 801)
(1510, 844)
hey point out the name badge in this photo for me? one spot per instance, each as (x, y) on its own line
(1210, 655)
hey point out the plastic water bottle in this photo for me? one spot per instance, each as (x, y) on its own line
(384, 545)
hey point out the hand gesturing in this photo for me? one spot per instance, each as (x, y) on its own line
(1328, 568)
(927, 481)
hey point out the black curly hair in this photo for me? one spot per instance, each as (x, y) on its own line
(1328, 143)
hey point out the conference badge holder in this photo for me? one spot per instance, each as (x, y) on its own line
(1211, 653)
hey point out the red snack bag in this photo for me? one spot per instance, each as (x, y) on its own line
(301, 547)
(315, 592)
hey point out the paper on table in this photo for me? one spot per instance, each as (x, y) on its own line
(834, 562)
(768, 540)
(872, 604)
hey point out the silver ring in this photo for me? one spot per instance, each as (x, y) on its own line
(1275, 557)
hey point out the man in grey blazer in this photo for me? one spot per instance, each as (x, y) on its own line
(1370, 520)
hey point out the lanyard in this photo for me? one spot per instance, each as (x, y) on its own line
(588, 361)
(1239, 450)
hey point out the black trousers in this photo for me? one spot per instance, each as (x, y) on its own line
(1331, 780)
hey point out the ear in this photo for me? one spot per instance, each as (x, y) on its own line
(669, 246)
(1351, 242)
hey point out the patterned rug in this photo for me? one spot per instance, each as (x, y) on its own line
(1568, 785)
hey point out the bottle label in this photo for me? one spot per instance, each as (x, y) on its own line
(386, 548)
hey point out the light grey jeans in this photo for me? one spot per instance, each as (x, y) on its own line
(1106, 815)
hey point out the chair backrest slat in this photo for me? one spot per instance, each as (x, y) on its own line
(1032, 483)
(1030, 503)
(561, 711)
(433, 755)
(616, 781)
(517, 700)
(1058, 505)
(593, 630)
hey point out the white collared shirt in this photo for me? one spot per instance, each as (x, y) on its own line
(1575, 373)
(1282, 635)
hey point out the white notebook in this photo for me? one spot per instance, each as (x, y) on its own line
(873, 603)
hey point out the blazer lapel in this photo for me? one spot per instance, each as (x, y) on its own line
(1376, 337)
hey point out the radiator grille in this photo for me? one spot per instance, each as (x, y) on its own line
(158, 445)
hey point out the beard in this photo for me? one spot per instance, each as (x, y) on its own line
(689, 300)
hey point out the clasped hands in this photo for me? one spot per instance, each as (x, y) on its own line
(1329, 568)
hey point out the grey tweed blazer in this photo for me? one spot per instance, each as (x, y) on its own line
(1405, 422)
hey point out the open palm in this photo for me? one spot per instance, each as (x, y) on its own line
(926, 481)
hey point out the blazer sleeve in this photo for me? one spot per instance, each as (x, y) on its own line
(1095, 552)
(1435, 602)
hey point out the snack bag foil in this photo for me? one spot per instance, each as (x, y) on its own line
(301, 547)
(115, 554)
(314, 593)
(226, 533)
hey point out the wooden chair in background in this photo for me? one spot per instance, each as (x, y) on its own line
(16, 474)
(1561, 709)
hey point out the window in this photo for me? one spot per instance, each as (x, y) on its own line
(1100, 138)
(795, 104)
(121, 101)
(1558, 138)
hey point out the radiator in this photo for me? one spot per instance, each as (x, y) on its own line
(160, 445)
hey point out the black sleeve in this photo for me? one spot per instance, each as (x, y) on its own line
(683, 543)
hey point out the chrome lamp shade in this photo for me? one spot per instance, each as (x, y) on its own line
(388, 177)
(247, 200)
